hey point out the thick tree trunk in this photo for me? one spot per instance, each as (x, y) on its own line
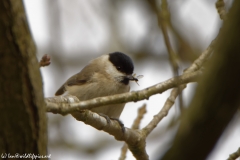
(22, 110)
(217, 97)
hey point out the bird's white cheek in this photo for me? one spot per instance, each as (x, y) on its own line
(111, 70)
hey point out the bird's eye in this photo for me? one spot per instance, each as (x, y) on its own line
(118, 67)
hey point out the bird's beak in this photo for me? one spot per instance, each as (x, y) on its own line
(131, 78)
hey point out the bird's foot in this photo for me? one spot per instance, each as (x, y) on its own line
(108, 119)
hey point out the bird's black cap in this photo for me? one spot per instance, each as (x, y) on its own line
(122, 62)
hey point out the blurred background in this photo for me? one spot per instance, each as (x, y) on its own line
(74, 32)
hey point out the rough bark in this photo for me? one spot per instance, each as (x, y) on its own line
(22, 110)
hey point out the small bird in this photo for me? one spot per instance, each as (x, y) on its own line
(106, 75)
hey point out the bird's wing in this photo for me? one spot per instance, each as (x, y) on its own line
(74, 80)
(80, 78)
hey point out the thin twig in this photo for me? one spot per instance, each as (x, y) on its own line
(164, 111)
(141, 111)
(164, 21)
(124, 150)
(234, 155)
(197, 64)
(163, 18)
(220, 5)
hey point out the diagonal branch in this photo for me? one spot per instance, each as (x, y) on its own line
(234, 155)
(164, 111)
(141, 111)
(216, 99)
(220, 6)
(197, 64)
(163, 21)
(59, 105)
(134, 138)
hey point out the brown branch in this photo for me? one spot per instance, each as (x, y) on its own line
(234, 155)
(216, 99)
(197, 64)
(164, 111)
(58, 104)
(141, 111)
(163, 20)
(163, 16)
(134, 138)
(220, 5)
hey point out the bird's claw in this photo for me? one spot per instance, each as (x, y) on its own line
(108, 119)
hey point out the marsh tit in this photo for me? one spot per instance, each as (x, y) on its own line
(106, 75)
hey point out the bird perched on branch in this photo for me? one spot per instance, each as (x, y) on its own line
(106, 75)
